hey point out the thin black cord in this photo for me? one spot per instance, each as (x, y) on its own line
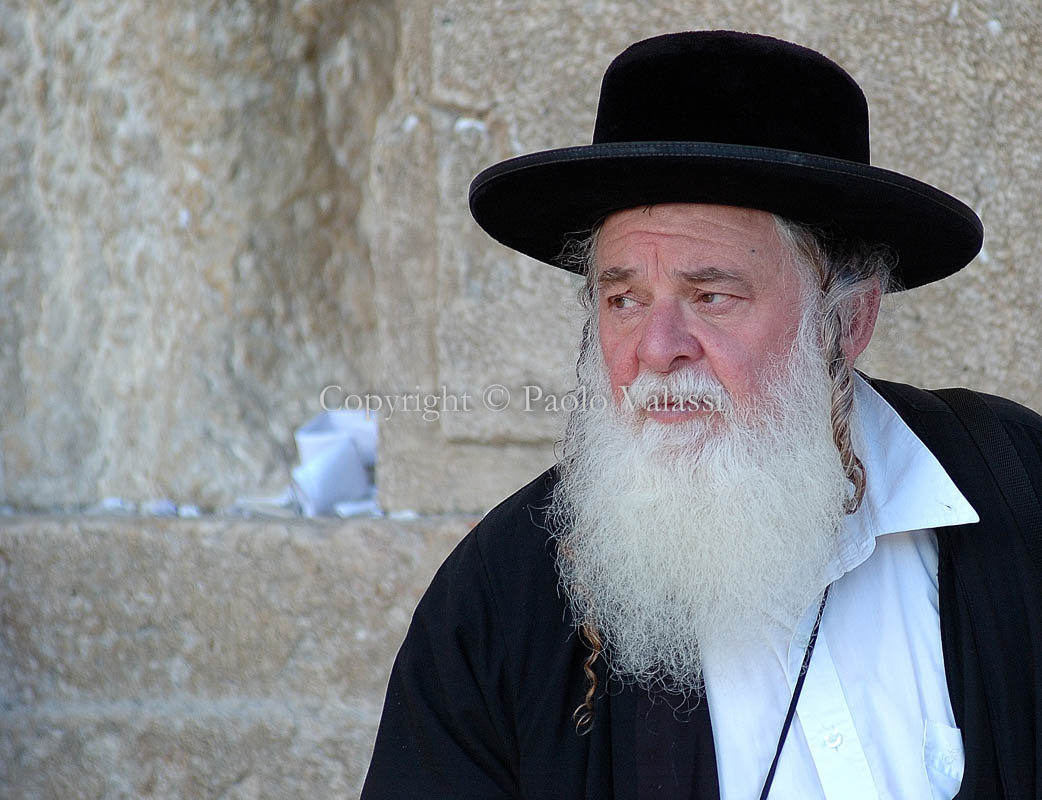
(795, 695)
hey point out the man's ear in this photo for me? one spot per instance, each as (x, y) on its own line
(862, 322)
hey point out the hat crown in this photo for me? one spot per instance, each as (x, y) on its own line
(732, 88)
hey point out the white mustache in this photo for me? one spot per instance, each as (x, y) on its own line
(684, 390)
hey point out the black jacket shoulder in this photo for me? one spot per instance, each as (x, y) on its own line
(1007, 410)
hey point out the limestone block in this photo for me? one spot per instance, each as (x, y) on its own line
(183, 269)
(970, 118)
(245, 749)
(437, 331)
(177, 658)
(505, 320)
(448, 328)
(399, 218)
(464, 476)
(99, 609)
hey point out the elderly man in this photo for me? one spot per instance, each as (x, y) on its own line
(754, 572)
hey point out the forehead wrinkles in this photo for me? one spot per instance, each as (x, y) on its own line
(648, 248)
(727, 267)
(688, 238)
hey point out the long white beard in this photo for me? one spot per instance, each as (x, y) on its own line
(677, 538)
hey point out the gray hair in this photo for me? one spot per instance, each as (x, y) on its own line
(845, 273)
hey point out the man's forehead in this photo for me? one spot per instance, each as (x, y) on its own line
(710, 242)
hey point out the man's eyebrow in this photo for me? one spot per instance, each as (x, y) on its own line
(713, 275)
(612, 275)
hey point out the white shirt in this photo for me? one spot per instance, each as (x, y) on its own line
(874, 719)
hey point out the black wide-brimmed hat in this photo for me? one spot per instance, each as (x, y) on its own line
(733, 119)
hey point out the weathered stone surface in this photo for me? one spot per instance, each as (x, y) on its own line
(967, 117)
(243, 749)
(182, 268)
(210, 214)
(104, 609)
(504, 320)
(455, 313)
(176, 658)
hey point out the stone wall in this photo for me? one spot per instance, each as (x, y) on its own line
(201, 659)
(183, 266)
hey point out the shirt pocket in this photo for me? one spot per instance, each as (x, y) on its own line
(944, 759)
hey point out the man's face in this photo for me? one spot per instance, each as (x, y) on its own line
(693, 538)
(702, 287)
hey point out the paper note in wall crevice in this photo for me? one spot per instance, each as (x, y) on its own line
(337, 451)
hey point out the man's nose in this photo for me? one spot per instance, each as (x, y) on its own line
(666, 341)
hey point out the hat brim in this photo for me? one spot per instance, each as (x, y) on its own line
(536, 203)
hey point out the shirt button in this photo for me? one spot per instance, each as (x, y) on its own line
(833, 740)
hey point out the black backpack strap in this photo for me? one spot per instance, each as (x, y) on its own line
(1005, 465)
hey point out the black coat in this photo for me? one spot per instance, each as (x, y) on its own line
(480, 699)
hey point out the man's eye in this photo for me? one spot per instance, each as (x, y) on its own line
(712, 298)
(621, 301)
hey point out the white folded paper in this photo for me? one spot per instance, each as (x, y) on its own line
(337, 451)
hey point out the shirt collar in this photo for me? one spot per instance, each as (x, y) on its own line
(907, 488)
